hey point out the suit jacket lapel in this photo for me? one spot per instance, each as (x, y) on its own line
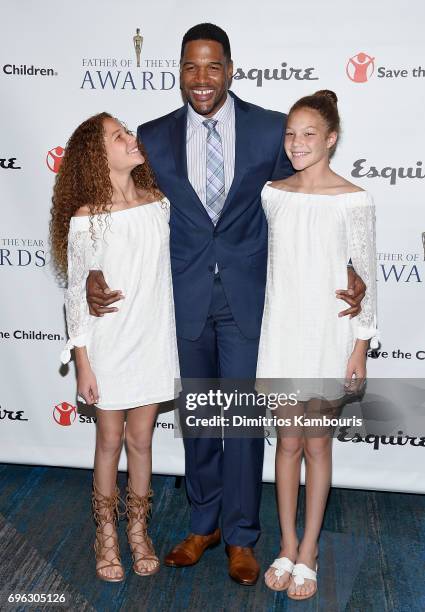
(178, 143)
(242, 136)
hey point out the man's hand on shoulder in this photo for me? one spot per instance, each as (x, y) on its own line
(99, 295)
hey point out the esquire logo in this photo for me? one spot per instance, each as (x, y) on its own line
(12, 415)
(283, 72)
(363, 169)
(27, 70)
(377, 441)
(134, 72)
(362, 66)
(9, 163)
(23, 252)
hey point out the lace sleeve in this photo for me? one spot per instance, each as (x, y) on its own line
(362, 252)
(82, 256)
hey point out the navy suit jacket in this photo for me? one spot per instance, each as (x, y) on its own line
(238, 242)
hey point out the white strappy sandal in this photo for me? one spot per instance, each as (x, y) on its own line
(281, 565)
(300, 573)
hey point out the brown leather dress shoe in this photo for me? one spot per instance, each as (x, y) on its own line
(191, 549)
(243, 566)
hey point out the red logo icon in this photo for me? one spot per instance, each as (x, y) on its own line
(64, 414)
(54, 159)
(360, 67)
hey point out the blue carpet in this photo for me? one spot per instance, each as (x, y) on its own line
(371, 555)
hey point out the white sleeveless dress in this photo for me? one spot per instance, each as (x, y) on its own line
(133, 352)
(311, 240)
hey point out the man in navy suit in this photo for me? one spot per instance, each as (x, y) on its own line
(211, 159)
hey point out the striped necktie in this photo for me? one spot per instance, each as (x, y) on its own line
(215, 172)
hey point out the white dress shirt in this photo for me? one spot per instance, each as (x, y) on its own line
(196, 147)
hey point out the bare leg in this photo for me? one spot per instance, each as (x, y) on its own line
(109, 437)
(138, 437)
(287, 465)
(318, 462)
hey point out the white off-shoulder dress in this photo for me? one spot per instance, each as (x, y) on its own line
(311, 240)
(133, 352)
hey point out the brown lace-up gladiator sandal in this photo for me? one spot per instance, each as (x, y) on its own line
(145, 562)
(106, 513)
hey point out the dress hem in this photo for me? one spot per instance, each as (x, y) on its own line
(136, 404)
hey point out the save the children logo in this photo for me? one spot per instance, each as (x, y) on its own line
(360, 67)
(29, 334)
(64, 414)
(27, 70)
(54, 158)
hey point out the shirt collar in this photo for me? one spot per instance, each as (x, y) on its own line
(222, 115)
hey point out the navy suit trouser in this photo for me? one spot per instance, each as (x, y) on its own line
(223, 476)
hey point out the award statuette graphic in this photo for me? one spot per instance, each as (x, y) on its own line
(138, 42)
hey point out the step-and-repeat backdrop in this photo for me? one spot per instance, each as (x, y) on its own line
(62, 62)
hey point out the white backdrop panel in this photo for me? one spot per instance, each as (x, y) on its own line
(383, 123)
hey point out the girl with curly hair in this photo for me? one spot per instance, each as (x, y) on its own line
(108, 214)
